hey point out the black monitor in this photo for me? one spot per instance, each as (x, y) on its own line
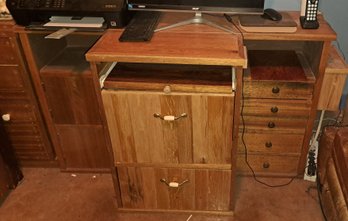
(199, 7)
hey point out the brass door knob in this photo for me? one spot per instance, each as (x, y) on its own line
(274, 109)
(266, 165)
(271, 125)
(268, 144)
(275, 90)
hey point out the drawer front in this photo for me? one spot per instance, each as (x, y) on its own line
(268, 164)
(139, 135)
(7, 55)
(268, 143)
(200, 189)
(11, 78)
(283, 90)
(276, 107)
(275, 123)
(16, 112)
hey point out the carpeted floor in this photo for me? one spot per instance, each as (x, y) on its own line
(47, 194)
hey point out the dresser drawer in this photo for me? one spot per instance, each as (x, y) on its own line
(7, 55)
(202, 133)
(282, 165)
(11, 78)
(200, 189)
(282, 90)
(16, 112)
(271, 143)
(275, 124)
(276, 107)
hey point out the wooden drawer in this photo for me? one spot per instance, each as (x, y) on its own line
(204, 135)
(142, 188)
(271, 143)
(294, 125)
(279, 90)
(282, 165)
(7, 55)
(276, 107)
(18, 111)
(11, 78)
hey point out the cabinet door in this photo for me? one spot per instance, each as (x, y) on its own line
(203, 136)
(71, 98)
(200, 189)
(83, 147)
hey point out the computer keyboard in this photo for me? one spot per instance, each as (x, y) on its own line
(141, 27)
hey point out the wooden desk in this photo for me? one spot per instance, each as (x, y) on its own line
(188, 149)
(132, 116)
(278, 109)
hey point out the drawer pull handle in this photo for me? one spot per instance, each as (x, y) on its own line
(271, 125)
(266, 165)
(173, 184)
(274, 109)
(6, 117)
(268, 144)
(275, 90)
(169, 117)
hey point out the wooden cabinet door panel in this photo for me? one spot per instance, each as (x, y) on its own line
(203, 136)
(83, 147)
(142, 188)
(71, 99)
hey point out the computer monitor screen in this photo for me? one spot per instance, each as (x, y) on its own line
(215, 6)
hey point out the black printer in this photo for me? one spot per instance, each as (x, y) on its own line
(36, 12)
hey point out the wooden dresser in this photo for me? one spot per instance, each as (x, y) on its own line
(19, 108)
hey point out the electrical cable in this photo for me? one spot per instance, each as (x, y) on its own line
(319, 196)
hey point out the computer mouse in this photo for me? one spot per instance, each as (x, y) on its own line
(270, 13)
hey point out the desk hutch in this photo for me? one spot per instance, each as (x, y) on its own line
(171, 117)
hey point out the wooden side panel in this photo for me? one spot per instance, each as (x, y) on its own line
(331, 91)
(204, 136)
(71, 99)
(141, 188)
(83, 147)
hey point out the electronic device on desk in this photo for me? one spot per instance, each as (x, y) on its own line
(309, 12)
(141, 27)
(38, 12)
(199, 7)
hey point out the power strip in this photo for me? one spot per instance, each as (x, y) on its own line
(311, 167)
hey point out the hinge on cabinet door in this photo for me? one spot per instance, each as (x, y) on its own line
(234, 83)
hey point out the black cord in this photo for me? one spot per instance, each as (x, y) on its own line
(319, 196)
(229, 19)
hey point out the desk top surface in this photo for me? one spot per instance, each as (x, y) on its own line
(191, 44)
(194, 44)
